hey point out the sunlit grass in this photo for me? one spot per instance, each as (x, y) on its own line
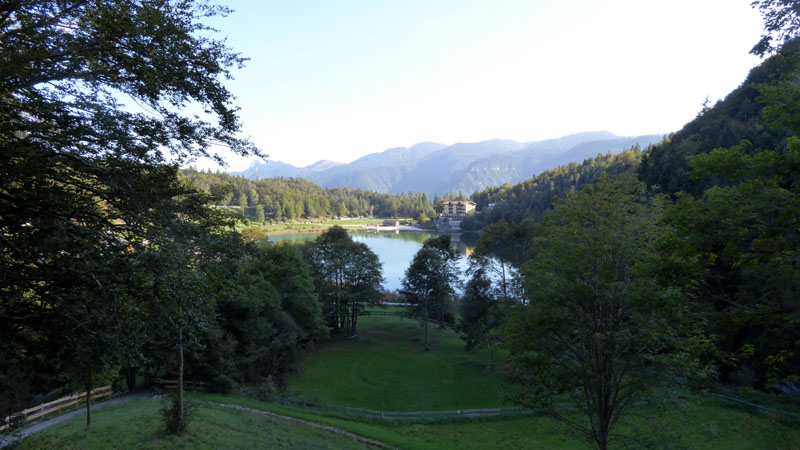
(386, 368)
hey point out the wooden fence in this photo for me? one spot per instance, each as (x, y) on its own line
(756, 408)
(188, 385)
(56, 406)
(405, 415)
(404, 315)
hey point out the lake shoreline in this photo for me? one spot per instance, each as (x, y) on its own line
(351, 228)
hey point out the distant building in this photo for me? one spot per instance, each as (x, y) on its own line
(391, 223)
(453, 214)
(458, 208)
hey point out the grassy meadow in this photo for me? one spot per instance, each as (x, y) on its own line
(137, 424)
(386, 368)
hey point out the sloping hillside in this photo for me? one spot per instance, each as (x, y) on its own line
(737, 117)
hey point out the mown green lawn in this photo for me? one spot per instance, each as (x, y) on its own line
(136, 424)
(700, 422)
(385, 368)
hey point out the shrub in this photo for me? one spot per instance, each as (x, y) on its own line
(170, 416)
(265, 391)
(224, 384)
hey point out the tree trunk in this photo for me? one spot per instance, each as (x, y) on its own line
(353, 320)
(426, 323)
(180, 379)
(130, 377)
(89, 400)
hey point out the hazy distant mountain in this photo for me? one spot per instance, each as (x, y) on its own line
(436, 168)
(322, 164)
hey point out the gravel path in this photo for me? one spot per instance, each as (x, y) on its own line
(318, 426)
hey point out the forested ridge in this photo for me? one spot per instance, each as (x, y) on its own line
(531, 198)
(289, 199)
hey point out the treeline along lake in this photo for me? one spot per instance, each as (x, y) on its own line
(395, 249)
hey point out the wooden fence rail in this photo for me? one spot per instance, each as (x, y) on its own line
(760, 408)
(405, 415)
(188, 385)
(57, 406)
(404, 315)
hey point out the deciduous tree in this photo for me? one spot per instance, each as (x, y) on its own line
(347, 275)
(597, 324)
(430, 281)
(95, 102)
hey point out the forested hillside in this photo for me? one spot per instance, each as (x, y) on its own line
(741, 115)
(294, 198)
(531, 198)
(704, 224)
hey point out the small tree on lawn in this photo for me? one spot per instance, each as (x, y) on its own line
(347, 274)
(598, 325)
(430, 281)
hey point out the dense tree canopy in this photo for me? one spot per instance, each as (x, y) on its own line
(94, 101)
(529, 199)
(597, 324)
(347, 275)
(286, 199)
(430, 281)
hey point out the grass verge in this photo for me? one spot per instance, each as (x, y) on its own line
(136, 424)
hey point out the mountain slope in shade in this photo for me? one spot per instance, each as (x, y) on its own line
(534, 159)
(435, 168)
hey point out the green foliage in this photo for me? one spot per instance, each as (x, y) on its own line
(177, 417)
(224, 384)
(744, 234)
(480, 310)
(740, 116)
(268, 315)
(296, 198)
(733, 172)
(259, 213)
(781, 21)
(347, 275)
(89, 190)
(595, 323)
(531, 198)
(430, 281)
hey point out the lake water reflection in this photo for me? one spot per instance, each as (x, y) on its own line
(395, 249)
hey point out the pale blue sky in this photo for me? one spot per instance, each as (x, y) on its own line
(340, 79)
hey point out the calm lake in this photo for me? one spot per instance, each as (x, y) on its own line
(395, 249)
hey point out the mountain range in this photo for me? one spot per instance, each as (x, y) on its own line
(464, 167)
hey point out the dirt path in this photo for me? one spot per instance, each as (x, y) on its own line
(6, 439)
(318, 426)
